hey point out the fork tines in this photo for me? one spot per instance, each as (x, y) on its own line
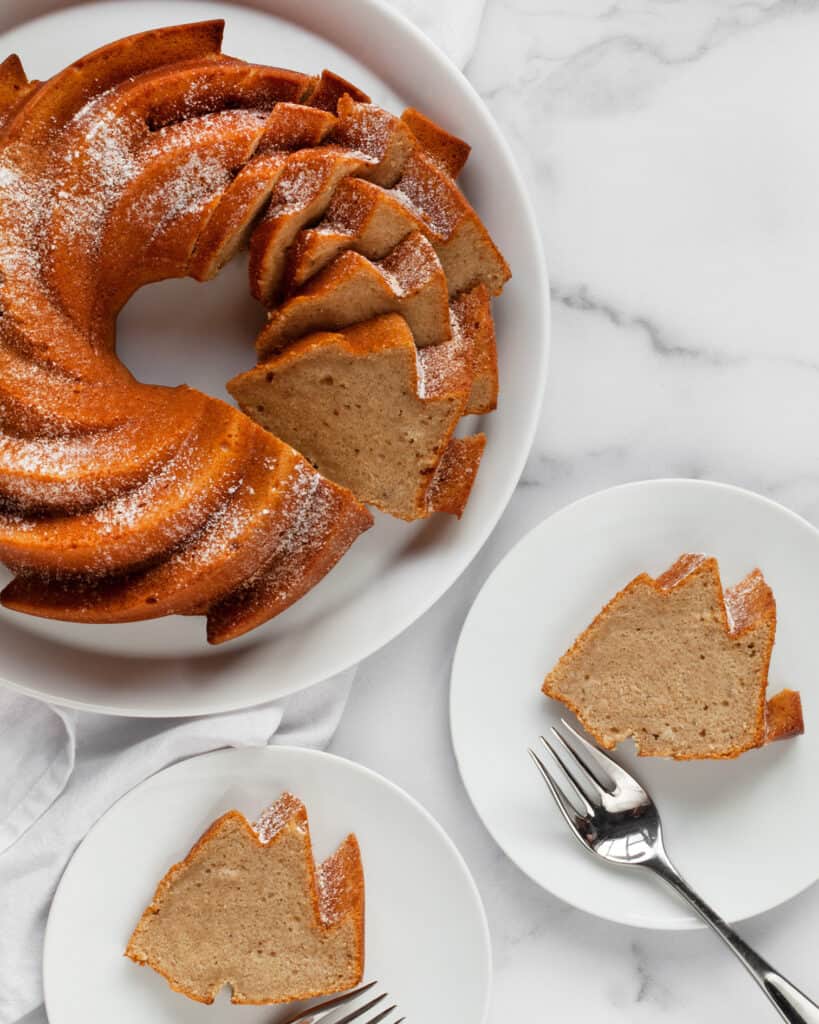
(370, 1012)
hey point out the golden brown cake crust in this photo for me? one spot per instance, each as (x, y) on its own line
(455, 475)
(745, 609)
(783, 716)
(330, 88)
(158, 156)
(14, 85)
(448, 150)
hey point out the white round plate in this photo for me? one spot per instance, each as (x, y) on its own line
(739, 830)
(427, 941)
(202, 334)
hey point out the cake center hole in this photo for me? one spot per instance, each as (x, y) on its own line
(187, 332)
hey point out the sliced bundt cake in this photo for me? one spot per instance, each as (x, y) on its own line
(158, 156)
(680, 666)
(119, 500)
(373, 220)
(455, 474)
(352, 289)
(249, 908)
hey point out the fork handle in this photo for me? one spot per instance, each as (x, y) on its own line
(793, 1005)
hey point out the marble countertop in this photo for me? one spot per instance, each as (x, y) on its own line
(668, 145)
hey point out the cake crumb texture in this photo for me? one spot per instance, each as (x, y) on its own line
(680, 666)
(248, 908)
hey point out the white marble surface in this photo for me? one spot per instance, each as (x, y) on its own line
(671, 149)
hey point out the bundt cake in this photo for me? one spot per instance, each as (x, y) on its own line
(680, 666)
(249, 908)
(157, 157)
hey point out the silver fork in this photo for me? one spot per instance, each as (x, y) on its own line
(613, 817)
(324, 1013)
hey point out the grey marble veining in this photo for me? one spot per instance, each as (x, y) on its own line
(671, 151)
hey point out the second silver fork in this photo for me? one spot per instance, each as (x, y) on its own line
(371, 1011)
(615, 819)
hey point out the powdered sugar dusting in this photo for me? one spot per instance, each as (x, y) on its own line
(113, 155)
(25, 201)
(367, 129)
(185, 194)
(309, 508)
(275, 817)
(299, 185)
(311, 176)
(308, 518)
(59, 456)
(747, 602)
(332, 885)
(409, 266)
(109, 533)
(221, 535)
(441, 366)
(347, 210)
(430, 194)
(98, 164)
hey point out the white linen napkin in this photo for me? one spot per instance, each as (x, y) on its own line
(60, 770)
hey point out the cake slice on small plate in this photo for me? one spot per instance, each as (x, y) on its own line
(679, 665)
(249, 908)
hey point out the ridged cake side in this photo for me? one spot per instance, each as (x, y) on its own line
(154, 157)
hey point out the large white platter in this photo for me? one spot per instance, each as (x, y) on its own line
(426, 933)
(742, 831)
(181, 331)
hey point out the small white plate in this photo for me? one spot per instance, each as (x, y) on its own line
(202, 334)
(427, 939)
(743, 832)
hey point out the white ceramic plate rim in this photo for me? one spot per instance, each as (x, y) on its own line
(370, 11)
(637, 919)
(275, 750)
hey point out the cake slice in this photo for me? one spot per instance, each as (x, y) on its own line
(361, 216)
(372, 220)
(386, 140)
(301, 195)
(680, 666)
(249, 908)
(464, 246)
(471, 346)
(352, 289)
(358, 405)
(240, 206)
(293, 126)
(455, 475)
(365, 141)
(448, 151)
(328, 89)
(153, 228)
(290, 127)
